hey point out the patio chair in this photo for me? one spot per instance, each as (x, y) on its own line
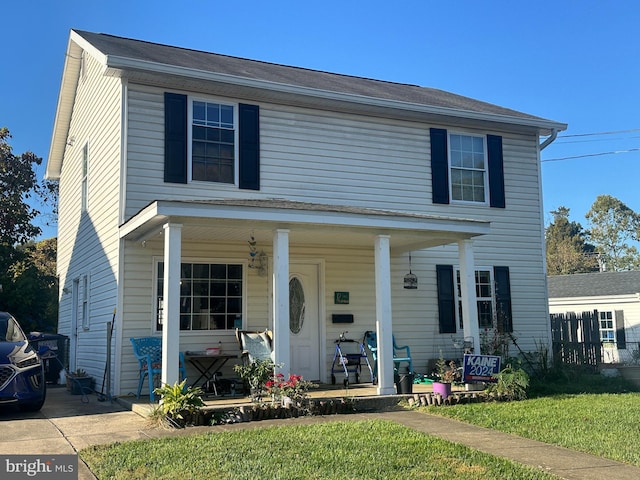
(148, 351)
(371, 341)
(255, 346)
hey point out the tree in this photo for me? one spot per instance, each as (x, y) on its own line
(30, 286)
(613, 226)
(567, 249)
(27, 270)
(18, 184)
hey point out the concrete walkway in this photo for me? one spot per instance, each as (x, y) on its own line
(66, 424)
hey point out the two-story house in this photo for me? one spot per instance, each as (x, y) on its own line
(200, 193)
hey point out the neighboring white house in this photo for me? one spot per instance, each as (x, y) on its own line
(616, 298)
(171, 161)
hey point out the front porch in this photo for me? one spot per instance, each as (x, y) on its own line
(295, 235)
(364, 395)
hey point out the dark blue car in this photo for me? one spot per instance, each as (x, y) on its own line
(22, 380)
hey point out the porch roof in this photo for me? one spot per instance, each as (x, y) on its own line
(309, 223)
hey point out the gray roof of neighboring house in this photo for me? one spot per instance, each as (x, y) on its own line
(596, 284)
(286, 75)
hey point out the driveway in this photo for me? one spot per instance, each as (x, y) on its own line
(68, 423)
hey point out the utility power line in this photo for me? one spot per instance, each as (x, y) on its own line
(599, 133)
(591, 155)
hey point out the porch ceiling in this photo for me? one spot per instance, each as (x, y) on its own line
(309, 224)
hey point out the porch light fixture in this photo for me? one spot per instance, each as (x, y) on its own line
(410, 280)
(257, 259)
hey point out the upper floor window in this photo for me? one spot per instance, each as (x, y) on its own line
(213, 145)
(85, 178)
(468, 167)
(210, 296)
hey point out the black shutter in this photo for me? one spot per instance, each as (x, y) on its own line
(496, 171)
(175, 138)
(621, 337)
(503, 299)
(249, 146)
(439, 166)
(446, 299)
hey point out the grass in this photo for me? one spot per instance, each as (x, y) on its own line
(574, 412)
(373, 449)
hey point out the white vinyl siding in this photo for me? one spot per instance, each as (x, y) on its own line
(89, 242)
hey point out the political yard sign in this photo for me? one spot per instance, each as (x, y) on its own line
(480, 368)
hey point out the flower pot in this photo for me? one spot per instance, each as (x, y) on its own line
(404, 383)
(79, 385)
(444, 389)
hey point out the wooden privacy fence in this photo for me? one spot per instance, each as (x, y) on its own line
(576, 338)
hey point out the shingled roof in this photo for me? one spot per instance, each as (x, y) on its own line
(202, 61)
(594, 284)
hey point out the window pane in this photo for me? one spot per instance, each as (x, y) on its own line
(478, 144)
(234, 289)
(226, 116)
(199, 112)
(234, 305)
(219, 271)
(218, 305)
(218, 289)
(235, 271)
(219, 322)
(213, 114)
(478, 161)
(185, 322)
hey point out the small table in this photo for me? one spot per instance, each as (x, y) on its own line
(207, 365)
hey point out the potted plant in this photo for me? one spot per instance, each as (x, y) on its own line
(255, 375)
(79, 382)
(447, 373)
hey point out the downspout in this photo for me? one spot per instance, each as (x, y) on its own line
(550, 139)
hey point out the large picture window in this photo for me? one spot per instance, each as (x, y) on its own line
(213, 145)
(210, 296)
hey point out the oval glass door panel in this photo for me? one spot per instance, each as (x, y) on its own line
(296, 305)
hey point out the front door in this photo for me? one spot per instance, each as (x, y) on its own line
(304, 321)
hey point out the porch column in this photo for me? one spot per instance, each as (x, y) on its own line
(384, 327)
(281, 300)
(171, 307)
(468, 291)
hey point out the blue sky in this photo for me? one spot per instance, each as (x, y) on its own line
(576, 62)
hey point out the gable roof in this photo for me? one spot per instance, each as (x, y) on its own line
(594, 284)
(153, 53)
(145, 60)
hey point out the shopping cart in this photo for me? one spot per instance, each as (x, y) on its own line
(348, 358)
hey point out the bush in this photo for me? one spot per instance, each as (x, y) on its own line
(512, 384)
(179, 404)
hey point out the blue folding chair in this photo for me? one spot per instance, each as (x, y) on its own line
(148, 351)
(371, 341)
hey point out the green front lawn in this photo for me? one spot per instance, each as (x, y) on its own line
(601, 424)
(342, 450)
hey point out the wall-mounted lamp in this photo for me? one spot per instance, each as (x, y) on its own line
(66, 290)
(71, 141)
